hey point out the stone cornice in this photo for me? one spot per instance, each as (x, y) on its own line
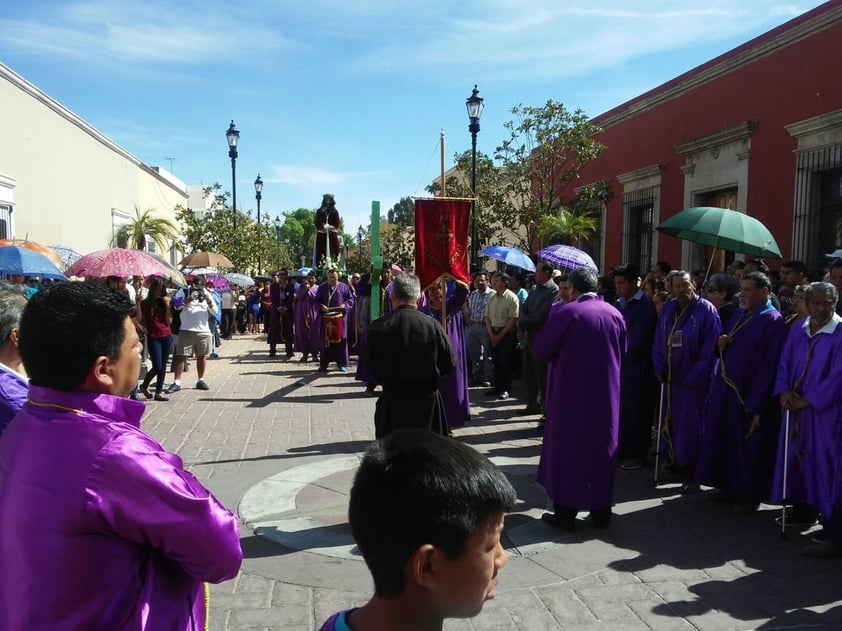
(713, 141)
(814, 125)
(640, 174)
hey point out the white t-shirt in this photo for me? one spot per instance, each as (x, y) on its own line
(194, 313)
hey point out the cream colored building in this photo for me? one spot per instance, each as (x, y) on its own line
(63, 182)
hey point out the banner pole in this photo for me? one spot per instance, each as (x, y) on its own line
(443, 184)
(376, 262)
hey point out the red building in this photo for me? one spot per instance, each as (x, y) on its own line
(757, 130)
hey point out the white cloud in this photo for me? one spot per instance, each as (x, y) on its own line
(116, 32)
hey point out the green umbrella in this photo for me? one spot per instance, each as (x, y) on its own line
(722, 228)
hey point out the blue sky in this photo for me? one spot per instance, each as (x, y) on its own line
(350, 97)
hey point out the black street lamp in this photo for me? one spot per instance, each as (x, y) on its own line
(258, 195)
(233, 138)
(474, 103)
(278, 231)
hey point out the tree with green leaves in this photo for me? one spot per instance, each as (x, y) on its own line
(298, 234)
(145, 225)
(458, 184)
(252, 247)
(403, 213)
(536, 167)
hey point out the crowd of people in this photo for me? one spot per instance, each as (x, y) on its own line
(730, 381)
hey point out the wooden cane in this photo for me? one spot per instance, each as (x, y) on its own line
(658, 439)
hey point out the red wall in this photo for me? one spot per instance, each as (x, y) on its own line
(791, 84)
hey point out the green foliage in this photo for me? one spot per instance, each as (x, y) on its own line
(458, 184)
(397, 244)
(298, 234)
(403, 213)
(134, 233)
(537, 164)
(252, 248)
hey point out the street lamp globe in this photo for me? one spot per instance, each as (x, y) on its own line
(474, 103)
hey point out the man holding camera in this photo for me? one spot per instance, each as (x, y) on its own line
(194, 338)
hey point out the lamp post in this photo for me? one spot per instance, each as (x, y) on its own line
(474, 103)
(278, 231)
(233, 138)
(258, 195)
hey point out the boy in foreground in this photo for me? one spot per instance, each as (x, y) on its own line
(427, 513)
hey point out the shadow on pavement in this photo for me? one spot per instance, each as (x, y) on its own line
(321, 449)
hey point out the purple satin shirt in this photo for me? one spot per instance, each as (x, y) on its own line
(100, 526)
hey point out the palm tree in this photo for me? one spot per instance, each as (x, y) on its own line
(145, 225)
(568, 227)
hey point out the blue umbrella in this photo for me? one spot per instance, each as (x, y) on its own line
(509, 256)
(567, 257)
(17, 260)
(239, 279)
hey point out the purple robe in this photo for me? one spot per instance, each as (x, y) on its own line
(737, 450)
(686, 368)
(583, 343)
(454, 386)
(281, 324)
(327, 296)
(637, 381)
(351, 319)
(121, 535)
(13, 390)
(306, 320)
(813, 431)
(364, 319)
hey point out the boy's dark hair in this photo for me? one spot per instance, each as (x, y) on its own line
(414, 487)
(66, 327)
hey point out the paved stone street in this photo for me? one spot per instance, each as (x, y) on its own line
(280, 444)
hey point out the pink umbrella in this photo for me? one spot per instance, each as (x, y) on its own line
(122, 262)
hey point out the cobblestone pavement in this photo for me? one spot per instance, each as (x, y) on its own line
(279, 443)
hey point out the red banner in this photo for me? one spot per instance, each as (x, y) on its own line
(441, 239)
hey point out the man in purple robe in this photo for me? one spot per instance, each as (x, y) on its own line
(583, 342)
(742, 417)
(281, 330)
(364, 318)
(454, 386)
(101, 527)
(333, 299)
(306, 319)
(687, 333)
(637, 382)
(809, 386)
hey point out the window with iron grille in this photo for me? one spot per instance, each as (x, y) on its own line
(818, 204)
(638, 219)
(5, 220)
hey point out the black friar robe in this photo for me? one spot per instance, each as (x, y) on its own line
(408, 353)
